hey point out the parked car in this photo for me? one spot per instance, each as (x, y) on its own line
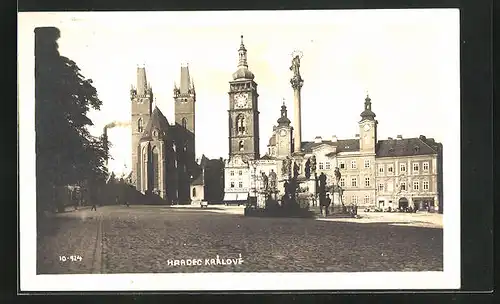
(204, 204)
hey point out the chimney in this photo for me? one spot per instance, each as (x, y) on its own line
(318, 139)
(357, 136)
(334, 138)
(399, 137)
(422, 137)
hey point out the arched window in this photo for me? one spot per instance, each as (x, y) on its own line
(240, 124)
(144, 168)
(184, 122)
(156, 169)
(194, 192)
(241, 145)
(140, 125)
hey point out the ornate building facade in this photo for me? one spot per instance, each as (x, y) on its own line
(374, 173)
(243, 123)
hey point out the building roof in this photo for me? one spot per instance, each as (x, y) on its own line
(272, 140)
(385, 148)
(343, 145)
(156, 121)
(406, 147)
(267, 157)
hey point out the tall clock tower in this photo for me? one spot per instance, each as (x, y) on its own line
(243, 111)
(367, 129)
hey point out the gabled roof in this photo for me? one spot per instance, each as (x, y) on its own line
(343, 145)
(406, 147)
(156, 121)
(267, 157)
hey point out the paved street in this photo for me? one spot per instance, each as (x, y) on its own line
(144, 239)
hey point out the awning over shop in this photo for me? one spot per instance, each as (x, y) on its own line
(242, 196)
(230, 197)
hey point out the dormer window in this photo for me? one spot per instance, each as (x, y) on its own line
(416, 149)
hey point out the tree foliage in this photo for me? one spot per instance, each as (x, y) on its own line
(66, 153)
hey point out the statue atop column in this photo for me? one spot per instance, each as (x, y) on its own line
(295, 65)
(296, 80)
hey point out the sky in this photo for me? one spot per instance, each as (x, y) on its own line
(406, 60)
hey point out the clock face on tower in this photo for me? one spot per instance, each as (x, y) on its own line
(241, 100)
(283, 133)
(367, 127)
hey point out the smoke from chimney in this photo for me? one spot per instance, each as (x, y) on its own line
(113, 124)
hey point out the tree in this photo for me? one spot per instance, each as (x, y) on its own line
(66, 153)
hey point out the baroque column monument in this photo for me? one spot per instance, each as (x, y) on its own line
(296, 83)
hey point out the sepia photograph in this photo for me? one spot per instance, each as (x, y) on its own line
(239, 150)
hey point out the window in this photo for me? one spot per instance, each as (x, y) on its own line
(240, 172)
(354, 182)
(367, 163)
(232, 184)
(425, 166)
(342, 182)
(240, 184)
(367, 199)
(241, 145)
(354, 200)
(403, 186)
(402, 167)
(240, 125)
(327, 165)
(390, 169)
(415, 185)
(194, 192)
(184, 122)
(140, 125)
(321, 167)
(341, 164)
(415, 167)
(367, 182)
(425, 185)
(231, 173)
(381, 169)
(380, 187)
(353, 164)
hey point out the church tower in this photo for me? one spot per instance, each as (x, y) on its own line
(243, 111)
(367, 129)
(141, 98)
(284, 134)
(185, 99)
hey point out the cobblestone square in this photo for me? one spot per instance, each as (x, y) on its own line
(142, 239)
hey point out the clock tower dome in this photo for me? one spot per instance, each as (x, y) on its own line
(243, 111)
(367, 129)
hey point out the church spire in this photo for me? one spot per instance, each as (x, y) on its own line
(368, 114)
(283, 120)
(243, 72)
(185, 80)
(242, 52)
(142, 83)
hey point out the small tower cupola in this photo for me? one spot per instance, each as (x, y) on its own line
(243, 72)
(283, 120)
(367, 113)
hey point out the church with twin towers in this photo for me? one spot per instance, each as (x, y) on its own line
(394, 172)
